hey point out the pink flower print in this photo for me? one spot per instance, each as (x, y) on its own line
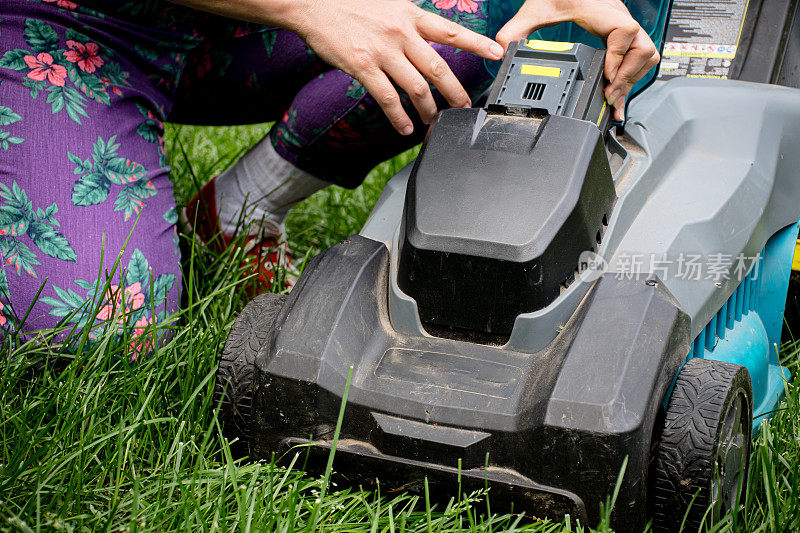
(42, 68)
(2, 316)
(13, 229)
(112, 298)
(107, 83)
(137, 345)
(63, 4)
(465, 6)
(85, 55)
(134, 297)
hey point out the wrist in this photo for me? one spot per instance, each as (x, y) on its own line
(555, 11)
(292, 15)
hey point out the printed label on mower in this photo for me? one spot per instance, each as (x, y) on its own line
(702, 38)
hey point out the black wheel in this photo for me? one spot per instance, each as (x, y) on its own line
(233, 389)
(704, 446)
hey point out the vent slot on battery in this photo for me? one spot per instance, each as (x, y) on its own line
(534, 91)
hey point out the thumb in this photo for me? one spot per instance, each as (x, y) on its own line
(519, 27)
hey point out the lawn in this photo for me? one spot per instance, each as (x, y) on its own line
(91, 441)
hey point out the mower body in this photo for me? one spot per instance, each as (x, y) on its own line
(516, 309)
(543, 404)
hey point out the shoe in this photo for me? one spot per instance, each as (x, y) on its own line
(266, 251)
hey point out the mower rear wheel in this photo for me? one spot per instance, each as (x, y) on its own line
(702, 457)
(233, 389)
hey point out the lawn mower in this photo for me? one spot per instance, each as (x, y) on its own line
(544, 296)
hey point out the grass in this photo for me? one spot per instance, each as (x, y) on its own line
(89, 441)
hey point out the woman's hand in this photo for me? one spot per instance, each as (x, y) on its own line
(373, 41)
(376, 41)
(630, 52)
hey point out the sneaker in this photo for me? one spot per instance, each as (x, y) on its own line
(266, 251)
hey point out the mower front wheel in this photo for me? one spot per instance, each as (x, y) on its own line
(233, 389)
(702, 456)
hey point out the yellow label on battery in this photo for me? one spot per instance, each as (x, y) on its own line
(548, 46)
(539, 70)
(602, 112)
(796, 260)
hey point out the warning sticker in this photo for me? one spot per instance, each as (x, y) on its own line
(702, 38)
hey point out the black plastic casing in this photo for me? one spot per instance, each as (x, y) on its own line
(547, 432)
(502, 201)
(498, 210)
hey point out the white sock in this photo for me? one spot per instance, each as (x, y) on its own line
(270, 186)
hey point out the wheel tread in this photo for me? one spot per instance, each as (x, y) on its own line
(233, 388)
(685, 451)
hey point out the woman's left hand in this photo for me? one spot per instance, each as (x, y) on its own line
(630, 52)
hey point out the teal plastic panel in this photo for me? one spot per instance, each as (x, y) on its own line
(747, 329)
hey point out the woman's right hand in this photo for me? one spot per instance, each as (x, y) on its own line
(377, 41)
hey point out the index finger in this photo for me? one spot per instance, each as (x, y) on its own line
(440, 30)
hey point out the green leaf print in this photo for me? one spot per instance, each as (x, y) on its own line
(18, 255)
(130, 200)
(138, 269)
(91, 189)
(80, 166)
(6, 140)
(3, 282)
(73, 35)
(67, 98)
(107, 168)
(162, 285)
(104, 150)
(48, 214)
(355, 90)
(88, 84)
(51, 242)
(121, 171)
(115, 75)
(17, 211)
(7, 116)
(40, 36)
(151, 128)
(147, 53)
(72, 300)
(269, 36)
(35, 86)
(14, 59)
(147, 131)
(171, 216)
(18, 219)
(13, 221)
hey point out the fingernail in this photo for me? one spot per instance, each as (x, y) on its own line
(613, 98)
(496, 49)
(407, 130)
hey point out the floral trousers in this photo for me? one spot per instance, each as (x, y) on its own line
(87, 214)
